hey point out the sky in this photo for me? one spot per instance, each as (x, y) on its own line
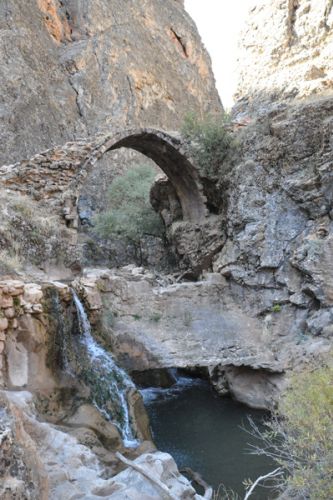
(219, 23)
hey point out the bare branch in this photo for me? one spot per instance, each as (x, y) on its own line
(274, 473)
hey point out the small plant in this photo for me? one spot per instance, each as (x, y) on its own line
(17, 306)
(210, 141)
(137, 317)
(276, 308)
(155, 317)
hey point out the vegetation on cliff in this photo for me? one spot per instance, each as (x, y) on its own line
(210, 140)
(300, 436)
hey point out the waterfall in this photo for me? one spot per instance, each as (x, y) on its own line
(109, 384)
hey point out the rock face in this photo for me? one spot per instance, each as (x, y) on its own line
(48, 463)
(74, 68)
(154, 325)
(234, 331)
(23, 336)
(54, 444)
(277, 185)
(285, 50)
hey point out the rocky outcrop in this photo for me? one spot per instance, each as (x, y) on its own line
(43, 461)
(153, 322)
(278, 217)
(255, 388)
(285, 51)
(72, 69)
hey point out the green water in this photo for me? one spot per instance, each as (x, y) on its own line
(203, 431)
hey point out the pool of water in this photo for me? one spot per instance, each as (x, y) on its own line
(203, 431)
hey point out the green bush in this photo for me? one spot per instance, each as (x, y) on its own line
(155, 317)
(300, 436)
(129, 214)
(210, 141)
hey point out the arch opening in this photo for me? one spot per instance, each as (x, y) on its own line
(164, 150)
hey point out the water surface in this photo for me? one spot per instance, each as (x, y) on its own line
(203, 431)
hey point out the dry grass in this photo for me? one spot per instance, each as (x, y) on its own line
(11, 260)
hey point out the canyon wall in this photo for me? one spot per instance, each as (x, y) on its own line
(73, 68)
(285, 50)
(262, 304)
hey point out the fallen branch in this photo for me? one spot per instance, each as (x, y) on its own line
(196, 478)
(148, 475)
(274, 473)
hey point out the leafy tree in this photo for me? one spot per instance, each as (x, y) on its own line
(129, 214)
(300, 436)
(210, 140)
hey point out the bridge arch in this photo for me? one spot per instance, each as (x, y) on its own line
(167, 151)
(55, 177)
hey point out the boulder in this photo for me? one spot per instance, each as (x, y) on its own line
(132, 485)
(255, 388)
(88, 416)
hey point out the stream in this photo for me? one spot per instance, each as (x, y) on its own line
(203, 431)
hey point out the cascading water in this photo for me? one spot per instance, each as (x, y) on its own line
(109, 384)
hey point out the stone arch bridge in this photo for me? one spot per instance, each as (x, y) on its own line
(56, 176)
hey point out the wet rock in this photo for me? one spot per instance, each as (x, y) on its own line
(154, 378)
(139, 415)
(88, 416)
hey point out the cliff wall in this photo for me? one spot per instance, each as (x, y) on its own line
(73, 68)
(285, 50)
